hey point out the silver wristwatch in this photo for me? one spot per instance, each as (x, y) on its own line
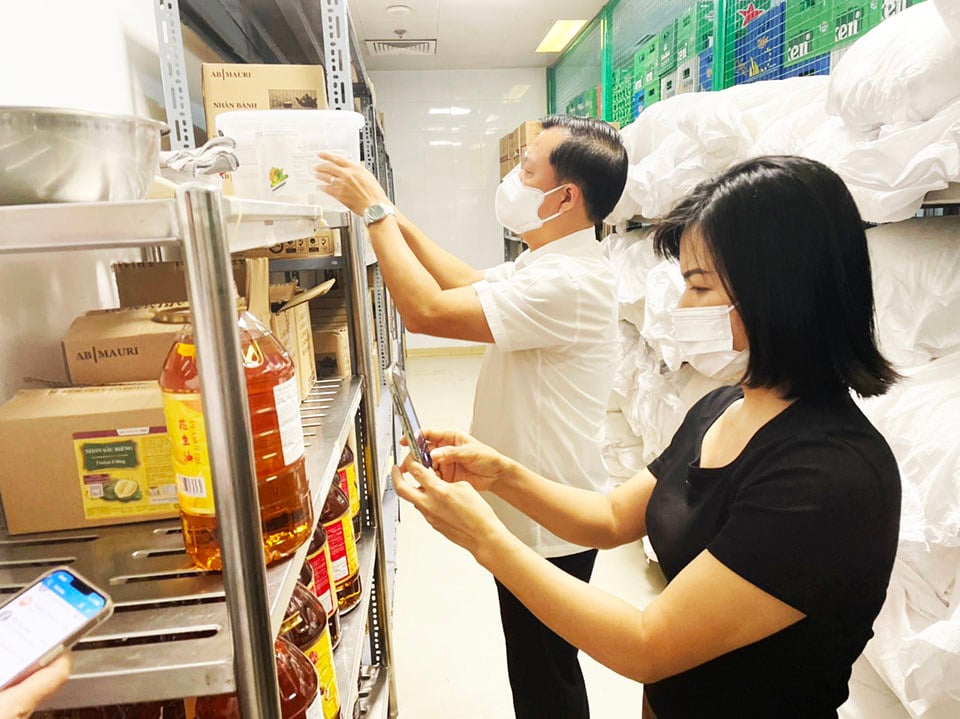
(378, 211)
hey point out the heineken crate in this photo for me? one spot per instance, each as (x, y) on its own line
(651, 94)
(888, 8)
(705, 81)
(759, 54)
(638, 102)
(688, 76)
(852, 20)
(743, 13)
(819, 65)
(668, 49)
(807, 30)
(694, 31)
(669, 85)
(650, 61)
(638, 71)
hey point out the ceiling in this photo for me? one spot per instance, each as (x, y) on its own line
(470, 34)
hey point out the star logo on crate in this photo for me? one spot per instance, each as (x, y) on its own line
(750, 14)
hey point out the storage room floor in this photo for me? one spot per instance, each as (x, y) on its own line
(448, 641)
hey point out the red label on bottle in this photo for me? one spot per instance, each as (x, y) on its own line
(321, 581)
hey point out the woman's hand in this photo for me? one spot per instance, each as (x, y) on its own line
(454, 509)
(458, 457)
(348, 183)
(20, 700)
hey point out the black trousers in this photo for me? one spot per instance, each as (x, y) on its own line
(544, 670)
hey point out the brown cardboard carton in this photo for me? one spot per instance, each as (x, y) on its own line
(140, 284)
(527, 133)
(85, 457)
(261, 87)
(332, 346)
(119, 345)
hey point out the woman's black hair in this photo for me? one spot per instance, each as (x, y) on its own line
(593, 158)
(788, 243)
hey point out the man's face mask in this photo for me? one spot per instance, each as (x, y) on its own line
(518, 206)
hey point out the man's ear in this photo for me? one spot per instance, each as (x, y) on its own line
(569, 196)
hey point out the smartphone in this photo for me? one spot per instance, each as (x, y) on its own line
(397, 382)
(46, 619)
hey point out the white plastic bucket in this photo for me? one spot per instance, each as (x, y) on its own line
(277, 151)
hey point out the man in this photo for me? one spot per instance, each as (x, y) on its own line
(551, 321)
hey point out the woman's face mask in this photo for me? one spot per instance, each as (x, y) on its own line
(705, 339)
(518, 206)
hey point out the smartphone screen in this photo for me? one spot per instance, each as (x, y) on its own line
(39, 620)
(408, 416)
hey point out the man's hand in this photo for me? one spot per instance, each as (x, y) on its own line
(349, 183)
(20, 700)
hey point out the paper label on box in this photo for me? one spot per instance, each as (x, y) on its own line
(125, 472)
(188, 441)
(287, 398)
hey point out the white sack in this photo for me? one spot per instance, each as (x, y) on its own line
(916, 286)
(664, 287)
(632, 255)
(950, 12)
(906, 69)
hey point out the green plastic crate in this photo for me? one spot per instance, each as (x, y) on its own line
(851, 20)
(808, 30)
(651, 94)
(650, 62)
(694, 31)
(668, 49)
(740, 15)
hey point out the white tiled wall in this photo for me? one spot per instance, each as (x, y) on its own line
(443, 129)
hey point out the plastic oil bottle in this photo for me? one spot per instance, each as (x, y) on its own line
(305, 624)
(344, 558)
(324, 581)
(286, 510)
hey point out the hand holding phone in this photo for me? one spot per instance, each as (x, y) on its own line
(45, 619)
(397, 382)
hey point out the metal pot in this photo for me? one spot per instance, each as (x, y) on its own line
(56, 155)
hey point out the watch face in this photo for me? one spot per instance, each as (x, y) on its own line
(376, 212)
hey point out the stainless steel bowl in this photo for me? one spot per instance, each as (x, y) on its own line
(55, 155)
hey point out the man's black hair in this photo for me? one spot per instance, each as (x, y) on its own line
(593, 158)
(789, 246)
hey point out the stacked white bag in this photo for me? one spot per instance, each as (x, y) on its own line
(887, 121)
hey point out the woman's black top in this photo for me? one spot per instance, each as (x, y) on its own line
(809, 513)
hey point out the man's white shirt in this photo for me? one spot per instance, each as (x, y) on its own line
(544, 385)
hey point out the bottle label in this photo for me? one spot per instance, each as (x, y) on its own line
(125, 472)
(321, 654)
(343, 549)
(323, 582)
(286, 395)
(350, 487)
(191, 463)
(315, 710)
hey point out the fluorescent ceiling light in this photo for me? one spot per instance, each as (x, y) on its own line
(560, 35)
(448, 111)
(444, 143)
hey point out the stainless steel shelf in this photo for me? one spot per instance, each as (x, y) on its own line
(169, 636)
(99, 225)
(353, 630)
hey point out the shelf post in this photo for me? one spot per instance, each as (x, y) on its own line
(226, 415)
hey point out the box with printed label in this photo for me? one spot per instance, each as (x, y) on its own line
(527, 133)
(759, 53)
(121, 345)
(886, 9)
(85, 457)
(322, 244)
(260, 87)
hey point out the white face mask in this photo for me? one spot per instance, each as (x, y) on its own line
(705, 339)
(518, 206)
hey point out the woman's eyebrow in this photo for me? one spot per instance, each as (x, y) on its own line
(696, 271)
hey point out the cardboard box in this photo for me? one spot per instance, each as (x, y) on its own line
(527, 133)
(120, 345)
(291, 323)
(332, 346)
(85, 457)
(261, 87)
(323, 244)
(141, 282)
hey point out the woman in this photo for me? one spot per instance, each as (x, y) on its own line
(775, 510)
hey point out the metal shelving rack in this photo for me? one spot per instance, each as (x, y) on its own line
(171, 635)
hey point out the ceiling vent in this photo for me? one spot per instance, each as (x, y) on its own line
(401, 48)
